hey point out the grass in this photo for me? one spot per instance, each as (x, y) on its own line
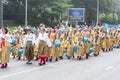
(11, 28)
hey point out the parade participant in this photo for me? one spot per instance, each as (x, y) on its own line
(29, 41)
(80, 47)
(70, 45)
(15, 49)
(43, 41)
(104, 41)
(96, 42)
(111, 41)
(117, 39)
(51, 35)
(19, 42)
(16, 46)
(5, 45)
(86, 34)
(36, 50)
(55, 49)
(49, 53)
(61, 48)
(0, 41)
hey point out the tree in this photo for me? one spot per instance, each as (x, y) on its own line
(91, 7)
(111, 18)
(48, 12)
(14, 10)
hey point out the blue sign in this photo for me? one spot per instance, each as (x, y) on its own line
(77, 14)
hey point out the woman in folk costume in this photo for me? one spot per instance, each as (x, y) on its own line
(96, 42)
(0, 41)
(51, 34)
(49, 53)
(61, 48)
(111, 41)
(17, 45)
(101, 37)
(49, 50)
(42, 41)
(36, 50)
(87, 45)
(80, 47)
(20, 41)
(117, 39)
(15, 49)
(55, 50)
(105, 41)
(29, 41)
(109, 45)
(70, 45)
(5, 45)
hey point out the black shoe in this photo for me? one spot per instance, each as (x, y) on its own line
(29, 62)
(39, 64)
(56, 59)
(95, 55)
(73, 57)
(68, 57)
(80, 58)
(19, 58)
(36, 59)
(61, 57)
(46, 59)
(13, 57)
(44, 63)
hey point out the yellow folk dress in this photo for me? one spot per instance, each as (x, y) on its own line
(70, 45)
(97, 46)
(19, 45)
(55, 50)
(80, 47)
(117, 39)
(104, 42)
(5, 53)
(87, 47)
(61, 48)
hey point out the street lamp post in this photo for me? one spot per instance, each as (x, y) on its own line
(97, 12)
(1, 14)
(26, 13)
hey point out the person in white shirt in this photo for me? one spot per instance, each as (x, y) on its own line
(43, 41)
(29, 41)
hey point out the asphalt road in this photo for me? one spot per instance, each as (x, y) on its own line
(104, 67)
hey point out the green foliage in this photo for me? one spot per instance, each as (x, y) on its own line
(111, 18)
(91, 7)
(50, 12)
(102, 17)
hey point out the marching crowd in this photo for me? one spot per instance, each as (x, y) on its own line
(45, 44)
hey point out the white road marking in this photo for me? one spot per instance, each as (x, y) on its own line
(25, 71)
(109, 68)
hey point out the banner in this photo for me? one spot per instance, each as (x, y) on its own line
(109, 26)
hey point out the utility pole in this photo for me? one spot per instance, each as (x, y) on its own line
(1, 14)
(26, 21)
(97, 12)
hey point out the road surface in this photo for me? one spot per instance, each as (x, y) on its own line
(104, 67)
